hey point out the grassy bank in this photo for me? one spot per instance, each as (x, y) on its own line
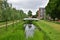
(37, 36)
(12, 33)
(47, 29)
(17, 33)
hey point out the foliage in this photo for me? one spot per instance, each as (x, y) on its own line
(49, 29)
(17, 33)
(29, 13)
(9, 13)
(36, 13)
(53, 9)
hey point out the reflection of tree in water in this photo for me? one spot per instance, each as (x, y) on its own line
(29, 30)
(29, 26)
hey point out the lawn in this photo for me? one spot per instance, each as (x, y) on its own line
(52, 30)
(54, 25)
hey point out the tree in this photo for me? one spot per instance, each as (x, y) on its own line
(53, 9)
(29, 13)
(21, 14)
(1, 4)
(36, 13)
(5, 13)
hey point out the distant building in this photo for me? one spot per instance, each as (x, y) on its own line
(41, 13)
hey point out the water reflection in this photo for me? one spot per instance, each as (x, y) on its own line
(29, 30)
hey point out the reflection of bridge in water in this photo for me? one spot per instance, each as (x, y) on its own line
(29, 27)
(33, 19)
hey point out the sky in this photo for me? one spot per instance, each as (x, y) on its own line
(27, 5)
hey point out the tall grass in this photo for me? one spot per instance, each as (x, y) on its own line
(17, 33)
(13, 33)
(48, 30)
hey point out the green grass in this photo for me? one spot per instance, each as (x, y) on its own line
(12, 33)
(37, 36)
(53, 22)
(56, 22)
(48, 30)
(17, 33)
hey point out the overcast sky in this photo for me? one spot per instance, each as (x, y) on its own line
(27, 5)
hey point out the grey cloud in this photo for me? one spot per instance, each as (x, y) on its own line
(29, 4)
(32, 4)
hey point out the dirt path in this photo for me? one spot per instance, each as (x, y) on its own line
(8, 23)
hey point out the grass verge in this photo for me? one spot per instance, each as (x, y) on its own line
(48, 30)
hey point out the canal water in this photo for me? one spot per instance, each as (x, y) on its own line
(29, 30)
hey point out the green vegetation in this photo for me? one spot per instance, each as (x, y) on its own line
(46, 32)
(2, 23)
(7, 13)
(37, 36)
(56, 22)
(48, 29)
(13, 33)
(53, 9)
(17, 33)
(29, 13)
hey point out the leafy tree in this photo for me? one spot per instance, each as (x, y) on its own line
(5, 9)
(36, 13)
(53, 9)
(1, 4)
(7, 13)
(29, 13)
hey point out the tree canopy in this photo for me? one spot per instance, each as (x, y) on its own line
(29, 13)
(9, 13)
(53, 9)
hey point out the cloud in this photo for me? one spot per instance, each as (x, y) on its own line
(28, 4)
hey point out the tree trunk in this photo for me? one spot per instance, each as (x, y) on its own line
(13, 22)
(53, 19)
(6, 24)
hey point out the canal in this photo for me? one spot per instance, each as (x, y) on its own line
(31, 31)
